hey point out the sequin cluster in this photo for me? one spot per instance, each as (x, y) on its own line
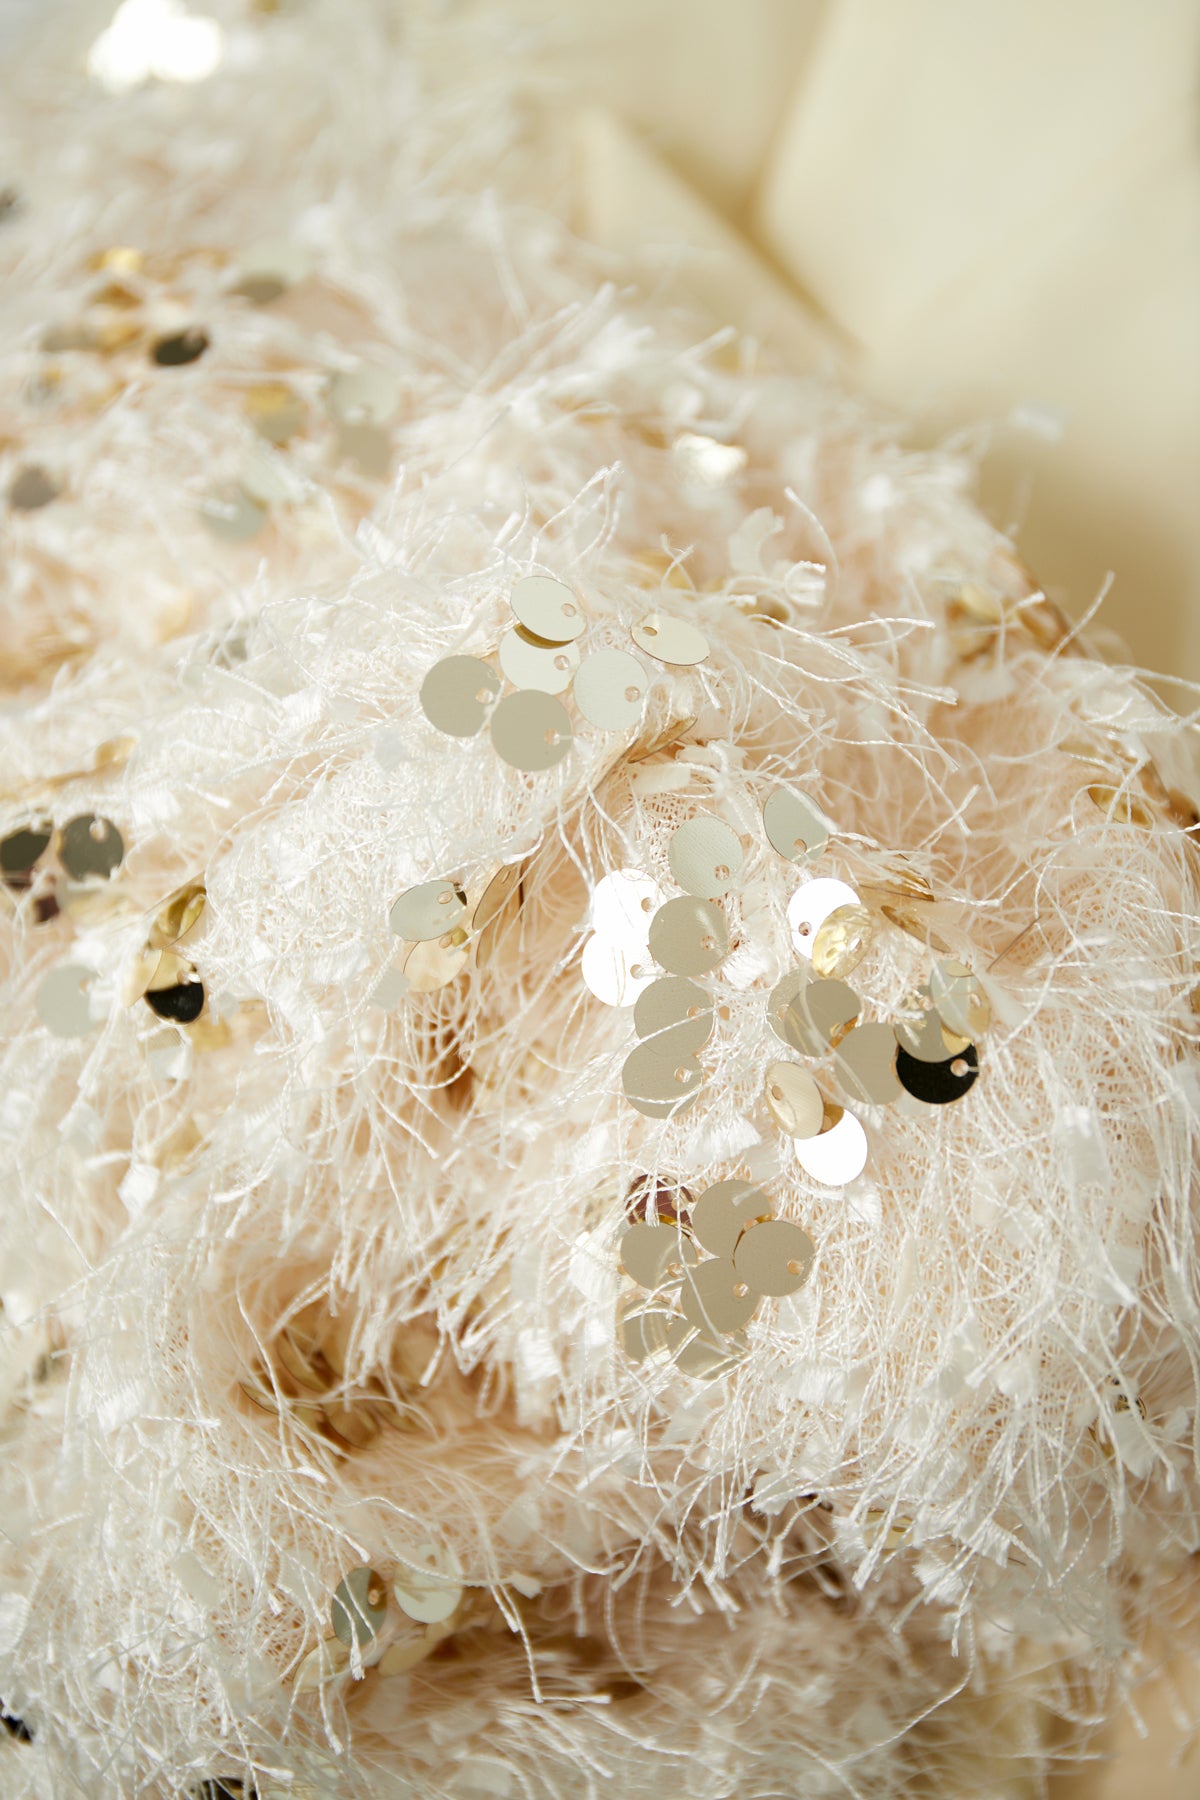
(930, 1054)
(539, 656)
(430, 1602)
(752, 1257)
(90, 850)
(138, 306)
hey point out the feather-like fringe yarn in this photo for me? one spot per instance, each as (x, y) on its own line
(930, 1504)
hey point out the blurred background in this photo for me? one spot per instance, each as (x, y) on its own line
(992, 207)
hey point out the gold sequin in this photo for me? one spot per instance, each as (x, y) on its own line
(458, 693)
(793, 825)
(427, 911)
(938, 1083)
(660, 1086)
(836, 1156)
(359, 1607)
(715, 1298)
(724, 1211)
(363, 396)
(616, 971)
(19, 852)
(866, 1064)
(705, 856)
(670, 640)
(233, 515)
(651, 1253)
(1120, 807)
(675, 1007)
(329, 1660)
(644, 1335)
(31, 488)
(530, 664)
(794, 1100)
(959, 999)
(428, 1584)
(818, 1016)
(177, 915)
(547, 608)
(531, 731)
(689, 936)
(275, 410)
(811, 905)
(774, 1258)
(432, 964)
(90, 845)
(62, 1000)
(610, 689)
(841, 941)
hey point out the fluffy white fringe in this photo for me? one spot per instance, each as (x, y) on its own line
(926, 1509)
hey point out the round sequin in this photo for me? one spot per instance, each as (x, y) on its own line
(793, 825)
(781, 997)
(430, 965)
(427, 911)
(715, 1298)
(275, 410)
(31, 488)
(689, 936)
(531, 731)
(323, 1664)
(660, 1086)
(650, 1252)
(724, 1211)
(233, 515)
(623, 904)
(841, 941)
(676, 1006)
(615, 970)
(818, 1016)
(610, 689)
(547, 608)
(367, 446)
(359, 1607)
(705, 856)
(644, 1335)
(496, 895)
(90, 845)
(20, 850)
(182, 1003)
(959, 998)
(363, 396)
(811, 905)
(177, 915)
(938, 1083)
(926, 1039)
(62, 1000)
(836, 1156)
(794, 1100)
(866, 1064)
(696, 1353)
(181, 347)
(432, 1589)
(774, 1258)
(529, 664)
(457, 693)
(669, 639)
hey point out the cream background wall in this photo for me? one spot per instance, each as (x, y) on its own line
(995, 204)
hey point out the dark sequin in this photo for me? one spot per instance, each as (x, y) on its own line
(183, 1003)
(181, 347)
(937, 1083)
(15, 1727)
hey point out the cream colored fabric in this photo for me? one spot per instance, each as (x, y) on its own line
(994, 203)
(1001, 203)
